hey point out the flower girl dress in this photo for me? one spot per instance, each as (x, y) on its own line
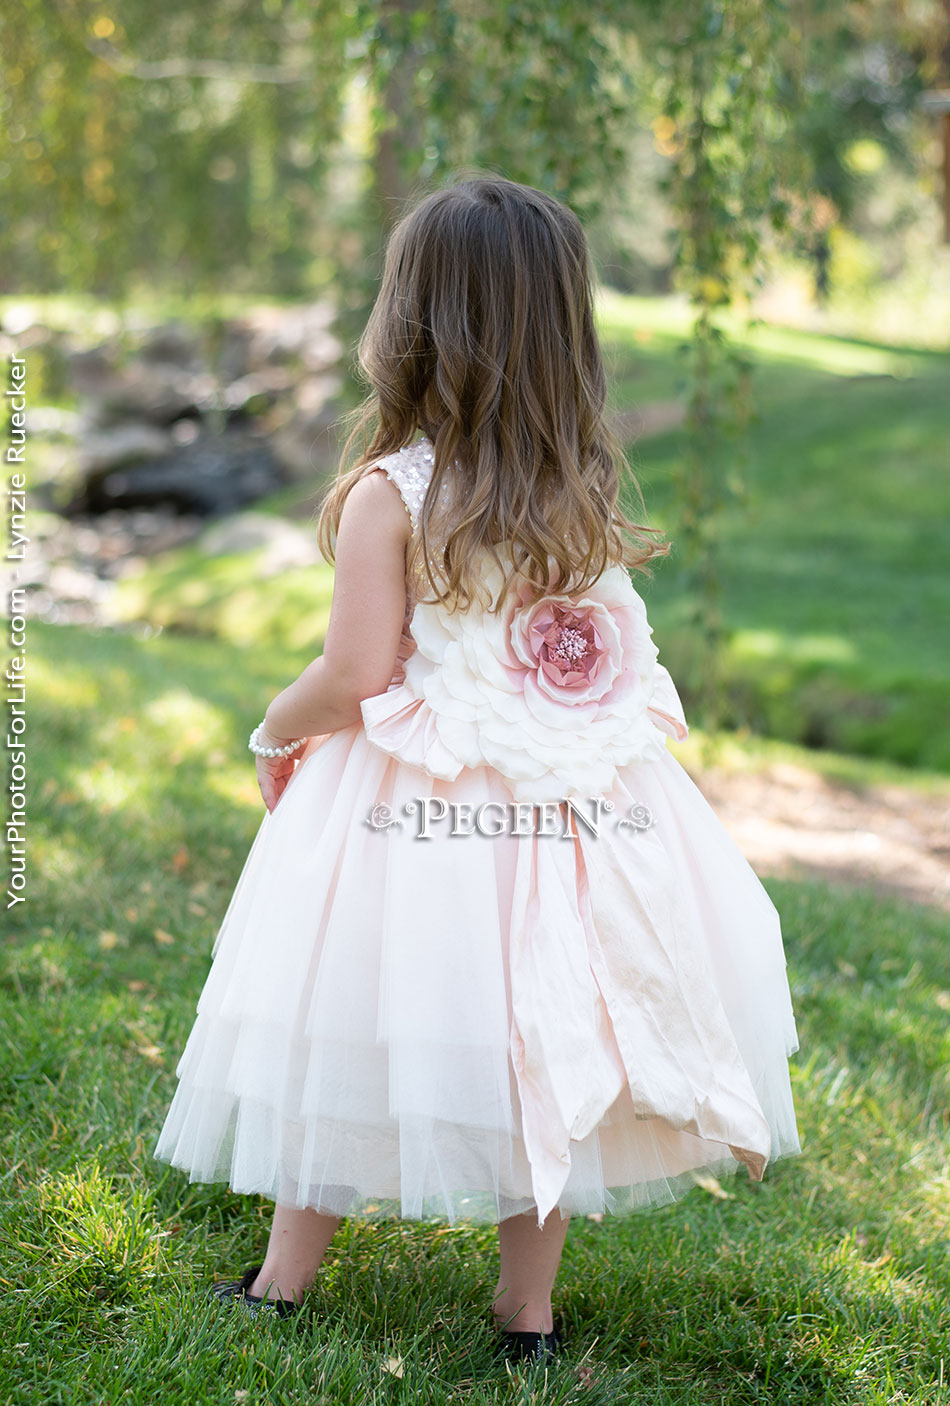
(492, 950)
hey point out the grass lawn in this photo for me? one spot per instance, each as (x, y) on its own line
(835, 588)
(835, 585)
(825, 1283)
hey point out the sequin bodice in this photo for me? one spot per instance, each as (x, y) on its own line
(411, 470)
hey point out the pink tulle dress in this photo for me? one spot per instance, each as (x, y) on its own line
(493, 951)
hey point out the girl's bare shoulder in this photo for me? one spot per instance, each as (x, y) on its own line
(410, 469)
(373, 503)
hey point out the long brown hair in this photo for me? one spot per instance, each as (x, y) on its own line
(482, 337)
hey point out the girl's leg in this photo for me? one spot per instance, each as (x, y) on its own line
(529, 1263)
(298, 1241)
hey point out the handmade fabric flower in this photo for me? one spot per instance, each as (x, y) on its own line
(553, 692)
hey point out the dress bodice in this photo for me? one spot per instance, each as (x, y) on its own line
(410, 469)
(554, 691)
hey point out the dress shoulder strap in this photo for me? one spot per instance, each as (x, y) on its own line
(410, 469)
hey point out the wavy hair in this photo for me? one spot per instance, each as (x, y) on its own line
(482, 337)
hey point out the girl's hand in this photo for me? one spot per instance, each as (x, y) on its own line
(273, 773)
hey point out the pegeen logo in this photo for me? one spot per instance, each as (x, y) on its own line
(543, 818)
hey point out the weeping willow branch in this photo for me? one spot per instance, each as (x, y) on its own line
(160, 69)
(719, 106)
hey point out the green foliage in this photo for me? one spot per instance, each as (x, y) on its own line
(226, 597)
(142, 147)
(719, 97)
(197, 146)
(215, 147)
(852, 82)
(545, 103)
(540, 95)
(832, 577)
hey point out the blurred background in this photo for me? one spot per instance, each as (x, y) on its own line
(195, 205)
(194, 202)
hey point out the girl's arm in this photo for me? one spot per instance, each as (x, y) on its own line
(366, 618)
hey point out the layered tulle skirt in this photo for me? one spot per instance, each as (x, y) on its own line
(421, 1005)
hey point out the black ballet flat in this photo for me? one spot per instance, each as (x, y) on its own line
(528, 1347)
(226, 1290)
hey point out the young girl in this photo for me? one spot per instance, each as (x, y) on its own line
(492, 956)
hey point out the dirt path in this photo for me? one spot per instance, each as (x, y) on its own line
(791, 822)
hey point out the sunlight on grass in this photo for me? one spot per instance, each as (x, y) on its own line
(935, 1198)
(774, 644)
(244, 615)
(63, 687)
(107, 786)
(876, 1274)
(835, 355)
(236, 787)
(95, 1238)
(191, 722)
(226, 597)
(625, 317)
(58, 857)
(40, 967)
(193, 593)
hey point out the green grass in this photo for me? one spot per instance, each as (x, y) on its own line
(825, 1283)
(223, 597)
(835, 588)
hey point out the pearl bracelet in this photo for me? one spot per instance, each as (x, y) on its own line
(273, 751)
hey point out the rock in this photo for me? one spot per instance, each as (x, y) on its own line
(299, 335)
(174, 425)
(149, 417)
(90, 368)
(172, 342)
(216, 474)
(242, 532)
(314, 394)
(159, 393)
(126, 443)
(258, 391)
(234, 357)
(304, 454)
(185, 431)
(33, 571)
(51, 420)
(30, 334)
(68, 584)
(128, 566)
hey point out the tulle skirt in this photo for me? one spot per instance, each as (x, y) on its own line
(586, 1011)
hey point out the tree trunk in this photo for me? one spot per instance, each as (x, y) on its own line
(399, 138)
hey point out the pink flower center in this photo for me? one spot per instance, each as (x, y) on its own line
(570, 648)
